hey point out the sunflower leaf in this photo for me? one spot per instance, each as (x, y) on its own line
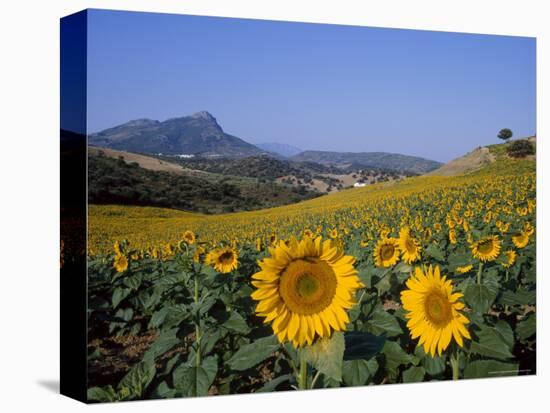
(362, 345)
(326, 355)
(489, 368)
(272, 384)
(520, 297)
(102, 394)
(434, 366)
(527, 327)
(395, 357)
(254, 353)
(236, 323)
(479, 297)
(193, 380)
(138, 378)
(491, 343)
(414, 374)
(120, 294)
(163, 391)
(434, 252)
(359, 372)
(384, 322)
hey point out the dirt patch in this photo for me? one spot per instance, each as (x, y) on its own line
(474, 160)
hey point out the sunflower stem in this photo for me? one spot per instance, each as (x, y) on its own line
(455, 364)
(314, 379)
(506, 279)
(197, 325)
(302, 380)
(479, 271)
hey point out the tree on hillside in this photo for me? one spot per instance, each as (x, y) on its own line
(505, 134)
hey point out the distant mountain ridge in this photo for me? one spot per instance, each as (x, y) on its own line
(281, 149)
(384, 160)
(198, 134)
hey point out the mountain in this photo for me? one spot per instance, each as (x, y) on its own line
(281, 149)
(383, 160)
(198, 134)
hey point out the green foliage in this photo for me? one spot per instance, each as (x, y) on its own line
(479, 297)
(254, 353)
(489, 368)
(112, 181)
(192, 380)
(359, 372)
(520, 149)
(505, 134)
(326, 356)
(414, 374)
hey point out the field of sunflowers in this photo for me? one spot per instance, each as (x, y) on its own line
(430, 278)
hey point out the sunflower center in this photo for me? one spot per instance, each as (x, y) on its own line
(226, 258)
(485, 247)
(307, 285)
(387, 251)
(438, 308)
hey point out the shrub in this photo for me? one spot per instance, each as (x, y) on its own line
(520, 149)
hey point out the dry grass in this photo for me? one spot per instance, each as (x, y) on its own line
(476, 159)
(143, 161)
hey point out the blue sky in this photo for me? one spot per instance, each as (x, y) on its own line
(326, 87)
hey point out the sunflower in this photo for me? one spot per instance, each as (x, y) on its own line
(259, 244)
(464, 269)
(198, 254)
(452, 236)
(304, 289)
(510, 257)
(308, 233)
(273, 239)
(410, 248)
(433, 310)
(520, 239)
(189, 237)
(487, 248)
(427, 234)
(333, 233)
(116, 248)
(386, 252)
(224, 260)
(120, 263)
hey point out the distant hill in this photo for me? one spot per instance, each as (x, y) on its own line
(122, 180)
(382, 160)
(265, 167)
(313, 176)
(281, 149)
(477, 159)
(473, 160)
(198, 134)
